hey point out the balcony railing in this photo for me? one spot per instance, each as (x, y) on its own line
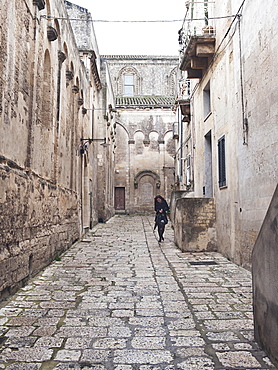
(197, 38)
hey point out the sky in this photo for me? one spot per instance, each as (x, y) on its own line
(147, 38)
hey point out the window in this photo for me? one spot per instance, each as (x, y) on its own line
(221, 162)
(188, 171)
(129, 84)
(206, 99)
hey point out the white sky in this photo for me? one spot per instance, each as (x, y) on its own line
(136, 38)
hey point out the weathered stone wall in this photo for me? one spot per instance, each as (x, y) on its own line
(38, 221)
(265, 277)
(150, 162)
(193, 220)
(154, 75)
(144, 141)
(48, 186)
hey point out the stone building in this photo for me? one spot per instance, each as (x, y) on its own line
(228, 108)
(52, 98)
(144, 89)
(232, 141)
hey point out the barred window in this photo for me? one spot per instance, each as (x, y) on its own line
(221, 162)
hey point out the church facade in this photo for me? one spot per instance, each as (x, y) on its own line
(144, 88)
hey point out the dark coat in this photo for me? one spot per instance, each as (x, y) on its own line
(161, 217)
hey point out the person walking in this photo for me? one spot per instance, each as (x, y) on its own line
(161, 208)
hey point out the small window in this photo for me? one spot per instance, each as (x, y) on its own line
(206, 99)
(188, 171)
(128, 85)
(221, 162)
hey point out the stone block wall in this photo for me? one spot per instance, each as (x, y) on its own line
(38, 221)
(48, 179)
(265, 277)
(194, 224)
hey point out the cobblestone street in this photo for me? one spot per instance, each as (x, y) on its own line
(119, 300)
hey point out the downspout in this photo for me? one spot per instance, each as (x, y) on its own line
(244, 118)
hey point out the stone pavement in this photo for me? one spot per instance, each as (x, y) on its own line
(119, 300)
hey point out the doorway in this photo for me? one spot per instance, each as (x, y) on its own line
(208, 185)
(119, 199)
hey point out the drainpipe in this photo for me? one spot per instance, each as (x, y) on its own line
(244, 118)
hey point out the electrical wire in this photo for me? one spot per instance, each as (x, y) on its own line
(48, 17)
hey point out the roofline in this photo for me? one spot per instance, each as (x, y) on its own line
(173, 57)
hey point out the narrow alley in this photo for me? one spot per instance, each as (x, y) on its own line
(119, 300)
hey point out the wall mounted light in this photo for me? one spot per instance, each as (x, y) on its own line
(83, 147)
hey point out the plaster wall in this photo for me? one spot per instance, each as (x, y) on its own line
(242, 89)
(265, 275)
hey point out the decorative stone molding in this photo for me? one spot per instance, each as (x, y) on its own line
(52, 34)
(40, 4)
(75, 89)
(143, 173)
(146, 142)
(61, 56)
(69, 75)
(80, 101)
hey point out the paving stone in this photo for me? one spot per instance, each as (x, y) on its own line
(148, 342)
(237, 359)
(124, 302)
(23, 366)
(228, 324)
(21, 321)
(187, 342)
(15, 342)
(68, 331)
(119, 331)
(227, 336)
(67, 355)
(49, 342)
(36, 354)
(196, 363)
(109, 343)
(20, 331)
(77, 343)
(190, 352)
(45, 331)
(142, 356)
(95, 356)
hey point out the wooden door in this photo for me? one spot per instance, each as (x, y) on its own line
(119, 199)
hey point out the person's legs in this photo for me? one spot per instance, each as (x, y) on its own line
(161, 232)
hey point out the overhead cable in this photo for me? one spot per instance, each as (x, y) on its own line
(48, 17)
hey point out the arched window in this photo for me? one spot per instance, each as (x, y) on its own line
(128, 82)
(46, 113)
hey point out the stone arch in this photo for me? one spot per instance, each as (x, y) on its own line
(46, 113)
(169, 143)
(146, 183)
(143, 173)
(120, 80)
